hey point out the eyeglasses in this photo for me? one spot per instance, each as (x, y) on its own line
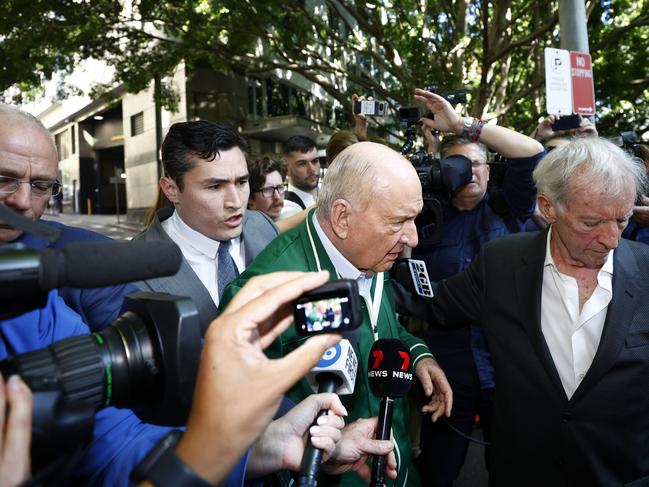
(40, 188)
(477, 164)
(268, 191)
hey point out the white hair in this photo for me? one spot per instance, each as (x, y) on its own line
(588, 162)
(351, 177)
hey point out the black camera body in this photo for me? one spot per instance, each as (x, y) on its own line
(147, 361)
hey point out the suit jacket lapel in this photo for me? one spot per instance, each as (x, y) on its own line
(529, 284)
(185, 282)
(618, 317)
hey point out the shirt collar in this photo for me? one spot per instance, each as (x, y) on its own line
(304, 196)
(549, 260)
(344, 268)
(196, 240)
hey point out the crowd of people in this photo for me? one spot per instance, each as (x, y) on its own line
(537, 323)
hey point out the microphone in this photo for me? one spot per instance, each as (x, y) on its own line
(27, 275)
(390, 377)
(336, 372)
(413, 275)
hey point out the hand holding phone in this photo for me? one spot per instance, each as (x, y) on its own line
(370, 108)
(567, 122)
(332, 308)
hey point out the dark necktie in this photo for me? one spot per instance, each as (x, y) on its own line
(226, 270)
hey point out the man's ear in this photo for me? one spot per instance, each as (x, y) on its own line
(169, 188)
(339, 217)
(547, 208)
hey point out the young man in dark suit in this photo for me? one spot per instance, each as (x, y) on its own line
(206, 180)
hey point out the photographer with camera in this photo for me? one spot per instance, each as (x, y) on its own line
(474, 216)
(28, 171)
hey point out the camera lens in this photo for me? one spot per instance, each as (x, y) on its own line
(115, 367)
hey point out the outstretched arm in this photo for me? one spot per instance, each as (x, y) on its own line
(506, 142)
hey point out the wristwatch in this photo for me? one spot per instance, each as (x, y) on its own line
(164, 468)
(468, 123)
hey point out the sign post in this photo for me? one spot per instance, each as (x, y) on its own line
(583, 89)
(117, 179)
(558, 86)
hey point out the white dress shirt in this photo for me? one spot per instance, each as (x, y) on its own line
(201, 252)
(344, 268)
(571, 336)
(291, 208)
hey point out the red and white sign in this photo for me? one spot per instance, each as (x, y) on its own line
(583, 90)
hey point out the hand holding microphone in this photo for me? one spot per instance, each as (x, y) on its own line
(336, 372)
(238, 388)
(390, 377)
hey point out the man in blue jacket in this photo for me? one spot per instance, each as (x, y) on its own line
(28, 169)
(473, 217)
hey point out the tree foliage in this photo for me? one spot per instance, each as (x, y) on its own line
(380, 48)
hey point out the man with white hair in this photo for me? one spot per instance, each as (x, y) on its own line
(565, 314)
(365, 216)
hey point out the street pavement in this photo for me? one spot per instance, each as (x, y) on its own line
(104, 224)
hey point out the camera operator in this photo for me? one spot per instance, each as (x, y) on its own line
(28, 169)
(15, 431)
(473, 217)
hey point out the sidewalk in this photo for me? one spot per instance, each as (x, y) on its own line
(104, 224)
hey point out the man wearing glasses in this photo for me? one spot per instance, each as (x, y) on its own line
(28, 168)
(472, 217)
(267, 186)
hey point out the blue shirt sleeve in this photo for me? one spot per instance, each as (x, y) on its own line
(120, 439)
(518, 186)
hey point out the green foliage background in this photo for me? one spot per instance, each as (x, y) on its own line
(379, 48)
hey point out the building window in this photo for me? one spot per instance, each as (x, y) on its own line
(73, 142)
(137, 124)
(62, 141)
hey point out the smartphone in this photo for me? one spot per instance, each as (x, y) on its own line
(370, 108)
(566, 122)
(332, 308)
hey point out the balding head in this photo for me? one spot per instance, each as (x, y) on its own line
(361, 173)
(14, 116)
(367, 205)
(27, 154)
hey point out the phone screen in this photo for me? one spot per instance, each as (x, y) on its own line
(330, 314)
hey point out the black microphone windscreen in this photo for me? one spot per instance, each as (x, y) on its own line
(390, 371)
(97, 264)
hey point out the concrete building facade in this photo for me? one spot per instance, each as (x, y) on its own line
(109, 148)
